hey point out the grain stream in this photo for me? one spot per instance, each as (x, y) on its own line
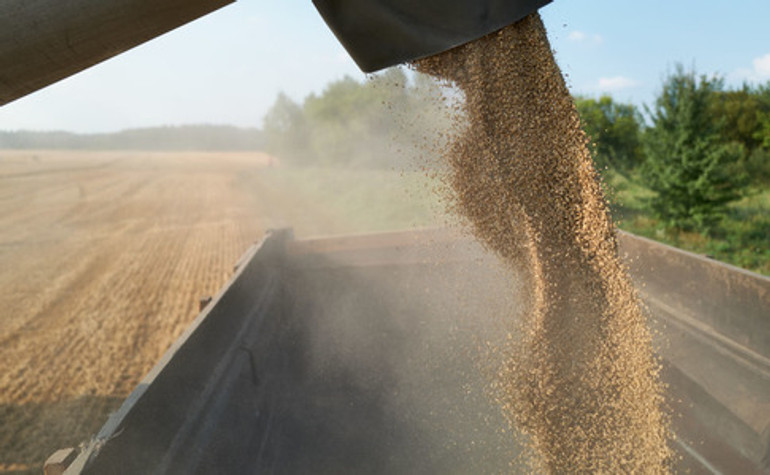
(580, 378)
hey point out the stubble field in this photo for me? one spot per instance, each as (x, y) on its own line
(103, 259)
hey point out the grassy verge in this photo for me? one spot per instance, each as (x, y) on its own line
(742, 238)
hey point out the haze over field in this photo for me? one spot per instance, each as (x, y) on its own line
(104, 256)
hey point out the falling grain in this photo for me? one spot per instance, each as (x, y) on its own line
(581, 380)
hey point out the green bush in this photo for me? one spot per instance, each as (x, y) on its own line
(689, 165)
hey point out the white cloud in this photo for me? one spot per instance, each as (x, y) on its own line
(616, 83)
(762, 66)
(760, 70)
(582, 37)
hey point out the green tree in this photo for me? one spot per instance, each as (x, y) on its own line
(337, 119)
(689, 164)
(286, 131)
(363, 123)
(615, 130)
(737, 114)
(380, 122)
(741, 115)
(758, 161)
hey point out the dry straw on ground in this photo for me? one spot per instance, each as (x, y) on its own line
(581, 380)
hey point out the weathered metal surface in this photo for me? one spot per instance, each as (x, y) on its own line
(382, 33)
(361, 354)
(153, 425)
(333, 368)
(733, 302)
(714, 326)
(44, 41)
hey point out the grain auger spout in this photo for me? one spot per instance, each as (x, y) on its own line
(382, 33)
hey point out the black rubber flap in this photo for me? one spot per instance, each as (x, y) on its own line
(382, 33)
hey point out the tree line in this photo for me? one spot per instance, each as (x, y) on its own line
(177, 138)
(698, 147)
(701, 147)
(381, 122)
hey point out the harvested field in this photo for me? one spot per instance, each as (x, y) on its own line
(103, 258)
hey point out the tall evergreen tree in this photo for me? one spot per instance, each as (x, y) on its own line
(688, 162)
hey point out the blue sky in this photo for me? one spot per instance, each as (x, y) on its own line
(228, 67)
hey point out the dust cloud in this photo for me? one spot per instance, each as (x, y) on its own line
(580, 379)
(374, 369)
